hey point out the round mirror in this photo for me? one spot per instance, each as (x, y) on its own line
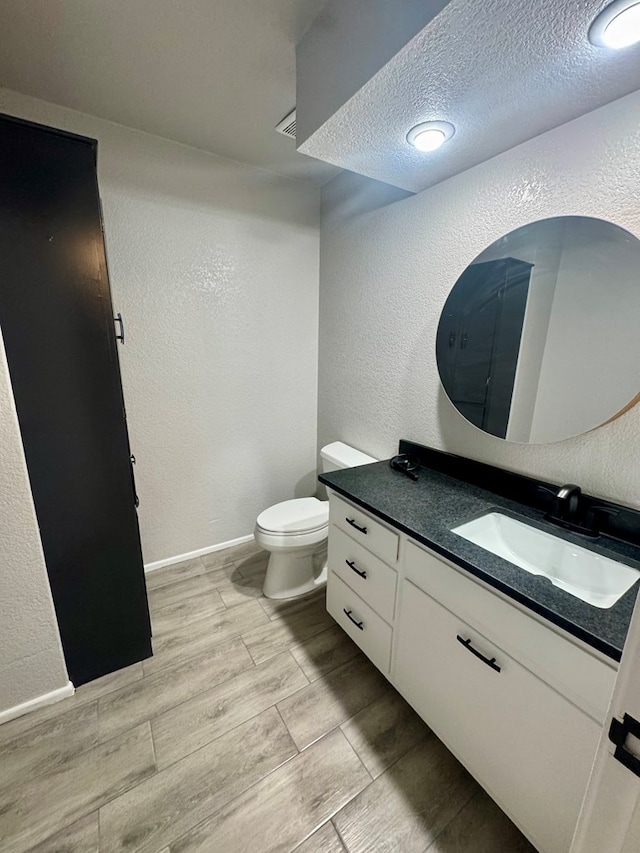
(538, 340)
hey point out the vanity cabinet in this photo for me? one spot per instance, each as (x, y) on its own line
(528, 746)
(519, 704)
(361, 592)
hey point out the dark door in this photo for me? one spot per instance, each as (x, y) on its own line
(478, 340)
(57, 321)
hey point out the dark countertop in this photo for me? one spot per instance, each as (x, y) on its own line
(426, 509)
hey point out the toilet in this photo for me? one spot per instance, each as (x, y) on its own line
(295, 533)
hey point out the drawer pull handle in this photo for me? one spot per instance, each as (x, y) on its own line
(352, 522)
(489, 662)
(352, 566)
(349, 616)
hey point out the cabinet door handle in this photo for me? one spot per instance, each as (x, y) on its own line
(352, 566)
(352, 522)
(118, 319)
(349, 616)
(489, 662)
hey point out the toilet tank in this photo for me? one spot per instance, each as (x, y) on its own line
(339, 455)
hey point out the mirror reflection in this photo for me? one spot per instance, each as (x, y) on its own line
(538, 339)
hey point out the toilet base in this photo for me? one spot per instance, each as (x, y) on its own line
(295, 573)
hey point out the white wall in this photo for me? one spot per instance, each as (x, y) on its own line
(385, 276)
(214, 266)
(31, 660)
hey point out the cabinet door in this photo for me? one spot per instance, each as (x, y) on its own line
(527, 745)
(373, 580)
(363, 528)
(572, 670)
(361, 623)
(57, 321)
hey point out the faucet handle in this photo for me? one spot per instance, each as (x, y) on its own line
(597, 514)
(604, 510)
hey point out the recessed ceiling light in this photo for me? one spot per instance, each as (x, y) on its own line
(618, 25)
(430, 135)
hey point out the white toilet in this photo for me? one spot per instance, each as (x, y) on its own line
(295, 533)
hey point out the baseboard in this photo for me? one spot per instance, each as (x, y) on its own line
(38, 702)
(180, 558)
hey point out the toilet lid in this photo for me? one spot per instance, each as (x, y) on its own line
(298, 516)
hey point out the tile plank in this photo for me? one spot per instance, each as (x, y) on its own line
(46, 747)
(252, 564)
(173, 801)
(324, 704)
(142, 700)
(242, 589)
(194, 638)
(324, 652)
(108, 683)
(408, 806)
(286, 807)
(324, 840)
(84, 695)
(34, 811)
(172, 593)
(207, 716)
(175, 572)
(278, 608)
(193, 609)
(481, 827)
(384, 731)
(269, 640)
(80, 837)
(236, 553)
(218, 563)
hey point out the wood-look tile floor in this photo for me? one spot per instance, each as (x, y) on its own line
(257, 726)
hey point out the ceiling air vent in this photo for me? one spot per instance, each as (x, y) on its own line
(288, 125)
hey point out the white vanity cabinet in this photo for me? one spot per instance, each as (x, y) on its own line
(519, 703)
(362, 579)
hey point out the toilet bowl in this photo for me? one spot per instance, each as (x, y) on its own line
(295, 532)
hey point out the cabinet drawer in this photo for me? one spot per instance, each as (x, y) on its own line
(578, 675)
(528, 746)
(374, 635)
(373, 580)
(365, 529)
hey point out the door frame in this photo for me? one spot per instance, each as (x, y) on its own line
(610, 816)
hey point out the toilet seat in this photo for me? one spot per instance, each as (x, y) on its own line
(294, 517)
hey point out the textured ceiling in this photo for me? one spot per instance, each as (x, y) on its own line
(501, 72)
(215, 74)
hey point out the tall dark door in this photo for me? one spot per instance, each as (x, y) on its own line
(478, 340)
(56, 318)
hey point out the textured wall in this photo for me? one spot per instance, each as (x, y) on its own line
(31, 661)
(214, 266)
(385, 276)
(500, 72)
(347, 44)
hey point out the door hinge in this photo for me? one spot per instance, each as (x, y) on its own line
(618, 733)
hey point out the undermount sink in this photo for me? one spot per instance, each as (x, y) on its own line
(597, 580)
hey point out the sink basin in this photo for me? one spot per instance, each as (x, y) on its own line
(597, 580)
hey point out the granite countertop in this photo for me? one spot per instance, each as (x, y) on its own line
(429, 507)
